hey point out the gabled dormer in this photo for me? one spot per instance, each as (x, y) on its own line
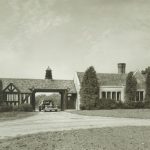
(11, 88)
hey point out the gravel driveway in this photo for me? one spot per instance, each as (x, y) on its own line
(57, 121)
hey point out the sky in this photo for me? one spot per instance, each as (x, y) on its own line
(71, 35)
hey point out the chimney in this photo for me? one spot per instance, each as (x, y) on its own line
(48, 74)
(121, 68)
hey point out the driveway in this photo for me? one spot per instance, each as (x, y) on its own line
(57, 121)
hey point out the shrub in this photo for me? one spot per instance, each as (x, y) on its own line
(1, 92)
(82, 107)
(15, 108)
(5, 108)
(147, 104)
(131, 87)
(107, 104)
(89, 91)
(148, 86)
(134, 105)
(25, 107)
(120, 104)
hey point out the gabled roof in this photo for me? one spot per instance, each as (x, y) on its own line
(111, 79)
(107, 79)
(24, 85)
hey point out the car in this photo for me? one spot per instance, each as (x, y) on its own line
(49, 108)
(45, 103)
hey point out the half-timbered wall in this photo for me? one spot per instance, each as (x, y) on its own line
(13, 96)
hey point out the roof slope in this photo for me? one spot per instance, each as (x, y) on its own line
(24, 85)
(107, 79)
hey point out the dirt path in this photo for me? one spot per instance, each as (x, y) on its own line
(57, 121)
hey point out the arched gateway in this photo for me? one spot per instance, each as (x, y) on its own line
(18, 91)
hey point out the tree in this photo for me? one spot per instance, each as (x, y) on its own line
(131, 87)
(89, 91)
(148, 86)
(146, 70)
(1, 92)
(48, 74)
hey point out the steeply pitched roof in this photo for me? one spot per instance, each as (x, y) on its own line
(107, 79)
(24, 85)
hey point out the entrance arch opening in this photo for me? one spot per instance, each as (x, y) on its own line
(54, 97)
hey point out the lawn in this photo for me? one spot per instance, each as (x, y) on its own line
(119, 138)
(4, 116)
(125, 113)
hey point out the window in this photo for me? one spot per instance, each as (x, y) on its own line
(118, 96)
(108, 95)
(139, 96)
(103, 94)
(12, 97)
(114, 95)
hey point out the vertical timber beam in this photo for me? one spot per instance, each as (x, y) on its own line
(61, 103)
(33, 100)
(63, 100)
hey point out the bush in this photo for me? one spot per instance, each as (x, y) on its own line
(120, 104)
(89, 91)
(5, 108)
(147, 104)
(134, 105)
(107, 104)
(25, 107)
(15, 108)
(82, 107)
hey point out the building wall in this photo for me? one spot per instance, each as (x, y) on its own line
(113, 89)
(16, 98)
(121, 89)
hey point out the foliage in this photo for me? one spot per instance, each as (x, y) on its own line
(148, 86)
(107, 104)
(5, 108)
(1, 93)
(48, 74)
(15, 108)
(131, 87)
(25, 107)
(147, 104)
(146, 70)
(134, 105)
(56, 98)
(112, 104)
(89, 91)
(82, 107)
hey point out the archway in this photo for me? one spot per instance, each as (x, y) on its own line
(62, 92)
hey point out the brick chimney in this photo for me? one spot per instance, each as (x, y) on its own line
(121, 68)
(48, 74)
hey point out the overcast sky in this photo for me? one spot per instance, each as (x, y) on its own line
(70, 35)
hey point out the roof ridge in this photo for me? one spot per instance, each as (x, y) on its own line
(106, 73)
(34, 79)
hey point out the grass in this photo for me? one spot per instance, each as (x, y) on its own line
(4, 116)
(121, 113)
(119, 138)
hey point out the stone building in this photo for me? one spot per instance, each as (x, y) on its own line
(18, 91)
(112, 86)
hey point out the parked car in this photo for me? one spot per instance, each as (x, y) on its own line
(45, 103)
(49, 108)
